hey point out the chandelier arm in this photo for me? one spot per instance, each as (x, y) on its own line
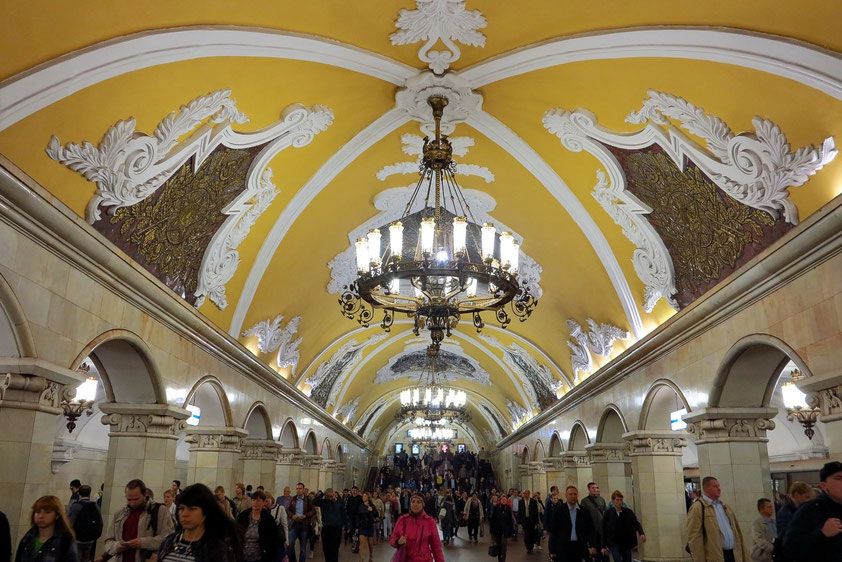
(453, 191)
(414, 195)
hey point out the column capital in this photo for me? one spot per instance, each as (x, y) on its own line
(536, 467)
(327, 465)
(222, 439)
(608, 452)
(656, 443)
(824, 392)
(28, 383)
(143, 420)
(311, 461)
(575, 459)
(717, 425)
(555, 464)
(259, 449)
(289, 456)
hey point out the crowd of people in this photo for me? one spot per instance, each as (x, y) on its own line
(200, 525)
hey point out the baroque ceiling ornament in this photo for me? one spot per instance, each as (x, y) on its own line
(271, 338)
(517, 413)
(756, 169)
(129, 166)
(599, 340)
(348, 411)
(439, 20)
(414, 144)
(323, 387)
(454, 363)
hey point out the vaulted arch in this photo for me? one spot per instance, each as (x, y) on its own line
(662, 398)
(578, 437)
(257, 422)
(289, 434)
(556, 446)
(612, 425)
(210, 396)
(311, 446)
(15, 335)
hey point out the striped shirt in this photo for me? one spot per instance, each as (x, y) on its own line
(182, 552)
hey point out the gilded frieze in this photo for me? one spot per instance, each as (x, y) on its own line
(708, 234)
(168, 232)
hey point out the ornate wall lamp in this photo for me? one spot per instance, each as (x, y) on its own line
(796, 405)
(81, 401)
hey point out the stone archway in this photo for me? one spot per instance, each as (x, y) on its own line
(610, 464)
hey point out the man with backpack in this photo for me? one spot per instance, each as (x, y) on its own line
(86, 521)
(138, 529)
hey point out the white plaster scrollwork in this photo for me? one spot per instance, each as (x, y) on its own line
(599, 340)
(392, 204)
(323, 387)
(271, 338)
(462, 101)
(413, 144)
(348, 412)
(439, 20)
(129, 166)
(539, 383)
(517, 413)
(753, 168)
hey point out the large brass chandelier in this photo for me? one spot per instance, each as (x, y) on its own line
(439, 263)
(430, 404)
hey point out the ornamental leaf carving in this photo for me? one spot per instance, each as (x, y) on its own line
(599, 340)
(271, 338)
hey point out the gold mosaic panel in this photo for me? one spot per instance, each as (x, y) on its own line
(708, 234)
(168, 232)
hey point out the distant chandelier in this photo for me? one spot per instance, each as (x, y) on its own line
(439, 262)
(430, 403)
(432, 435)
(796, 405)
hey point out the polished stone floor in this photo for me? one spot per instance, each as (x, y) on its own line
(458, 551)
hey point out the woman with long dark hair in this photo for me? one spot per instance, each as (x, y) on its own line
(50, 539)
(206, 533)
(259, 531)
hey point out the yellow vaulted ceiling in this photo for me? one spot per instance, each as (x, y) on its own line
(574, 279)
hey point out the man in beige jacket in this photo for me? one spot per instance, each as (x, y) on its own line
(132, 535)
(713, 534)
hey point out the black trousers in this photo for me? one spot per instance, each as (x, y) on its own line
(331, 537)
(473, 528)
(572, 551)
(529, 536)
(502, 544)
(728, 555)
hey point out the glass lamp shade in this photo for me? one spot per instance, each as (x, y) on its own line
(515, 257)
(374, 246)
(488, 233)
(362, 254)
(396, 238)
(87, 390)
(471, 288)
(428, 232)
(506, 243)
(460, 234)
(406, 397)
(793, 397)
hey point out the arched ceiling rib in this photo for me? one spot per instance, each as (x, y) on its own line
(573, 58)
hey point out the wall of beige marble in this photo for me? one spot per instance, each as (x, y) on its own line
(65, 310)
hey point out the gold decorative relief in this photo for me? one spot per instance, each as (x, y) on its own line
(708, 233)
(168, 232)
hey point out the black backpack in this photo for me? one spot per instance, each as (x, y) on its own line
(88, 523)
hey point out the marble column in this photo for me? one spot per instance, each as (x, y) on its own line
(732, 448)
(555, 475)
(339, 476)
(524, 481)
(577, 467)
(310, 471)
(326, 467)
(287, 470)
(141, 444)
(213, 454)
(824, 391)
(29, 407)
(658, 475)
(257, 463)
(538, 474)
(611, 469)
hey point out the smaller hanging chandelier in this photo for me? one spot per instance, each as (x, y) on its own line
(439, 434)
(439, 263)
(796, 405)
(430, 403)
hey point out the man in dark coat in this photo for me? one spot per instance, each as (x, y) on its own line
(529, 518)
(573, 535)
(815, 532)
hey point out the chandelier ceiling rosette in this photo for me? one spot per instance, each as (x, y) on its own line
(439, 263)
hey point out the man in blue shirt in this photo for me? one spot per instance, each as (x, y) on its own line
(573, 535)
(713, 533)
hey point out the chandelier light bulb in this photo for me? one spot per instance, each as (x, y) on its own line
(428, 396)
(793, 397)
(362, 254)
(406, 398)
(515, 257)
(374, 246)
(87, 390)
(488, 233)
(428, 231)
(460, 235)
(415, 396)
(471, 287)
(506, 242)
(396, 238)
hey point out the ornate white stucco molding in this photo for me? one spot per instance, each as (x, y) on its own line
(323, 383)
(517, 413)
(387, 373)
(129, 166)
(347, 413)
(462, 100)
(439, 20)
(414, 144)
(599, 340)
(271, 338)
(392, 204)
(755, 169)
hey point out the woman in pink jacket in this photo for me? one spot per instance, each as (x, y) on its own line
(417, 534)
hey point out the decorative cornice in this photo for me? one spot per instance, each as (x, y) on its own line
(725, 425)
(608, 452)
(259, 449)
(445, 21)
(289, 456)
(575, 459)
(33, 392)
(599, 340)
(271, 337)
(554, 464)
(218, 439)
(129, 166)
(656, 443)
(754, 169)
(160, 421)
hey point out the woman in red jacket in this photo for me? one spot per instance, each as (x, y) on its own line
(417, 534)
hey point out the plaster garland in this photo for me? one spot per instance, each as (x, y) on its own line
(347, 413)
(271, 338)
(129, 166)
(517, 413)
(599, 340)
(754, 169)
(439, 20)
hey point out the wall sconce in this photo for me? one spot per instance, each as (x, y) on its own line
(796, 405)
(82, 403)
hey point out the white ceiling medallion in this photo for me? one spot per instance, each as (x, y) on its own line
(392, 203)
(129, 166)
(271, 338)
(323, 387)
(753, 168)
(413, 145)
(462, 101)
(439, 20)
(599, 340)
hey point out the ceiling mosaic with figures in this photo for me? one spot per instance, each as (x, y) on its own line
(639, 157)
